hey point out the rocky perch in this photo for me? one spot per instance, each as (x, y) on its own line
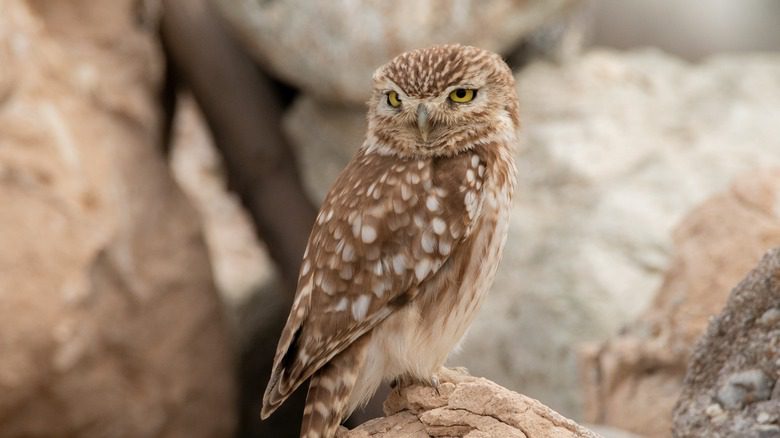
(731, 389)
(468, 407)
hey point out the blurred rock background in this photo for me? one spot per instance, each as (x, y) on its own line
(133, 290)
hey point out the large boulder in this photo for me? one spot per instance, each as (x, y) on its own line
(331, 48)
(109, 320)
(633, 380)
(239, 259)
(731, 388)
(617, 149)
(468, 407)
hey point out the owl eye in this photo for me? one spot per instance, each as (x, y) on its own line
(393, 100)
(463, 95)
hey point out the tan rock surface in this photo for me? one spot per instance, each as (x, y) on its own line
(468, 407)
(239, 259)
(634, 380)
(331, 48)
(109, 320)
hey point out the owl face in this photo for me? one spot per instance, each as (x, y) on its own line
(441, 100)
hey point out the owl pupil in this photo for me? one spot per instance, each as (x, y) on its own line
(461, 93)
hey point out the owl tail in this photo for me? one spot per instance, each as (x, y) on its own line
(328, 400)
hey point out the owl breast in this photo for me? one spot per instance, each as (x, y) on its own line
(416, 340)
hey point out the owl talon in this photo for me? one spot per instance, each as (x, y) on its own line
(435, 385)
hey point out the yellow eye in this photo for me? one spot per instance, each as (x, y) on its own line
(393, 100)
(462, 95)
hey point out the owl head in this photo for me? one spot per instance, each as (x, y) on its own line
(441, 101)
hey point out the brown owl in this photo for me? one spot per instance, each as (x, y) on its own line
(407, 242)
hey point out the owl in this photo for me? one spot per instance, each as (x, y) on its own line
(408, 239)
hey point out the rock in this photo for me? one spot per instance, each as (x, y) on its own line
(239, 260)
(331, 49)
(736, 364)
(745, 387)
(468, 407)
(109, 321)
(610, 432)
(633, 380)
(618, 148)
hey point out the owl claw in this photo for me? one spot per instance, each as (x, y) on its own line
(435, 385)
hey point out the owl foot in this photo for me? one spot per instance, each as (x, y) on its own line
(435, 384)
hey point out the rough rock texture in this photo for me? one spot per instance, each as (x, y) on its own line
(239, 260)
(331, 48)
(618, 147)
(467, 407)
(731, 387)
(109, 320)
(633, 381)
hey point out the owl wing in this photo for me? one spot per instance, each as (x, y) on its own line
(386, 227)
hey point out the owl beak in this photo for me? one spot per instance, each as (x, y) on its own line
(422, 121)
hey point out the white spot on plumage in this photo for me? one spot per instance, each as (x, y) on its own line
(444, 247)
(356, 226)
(360, 307)
(327, 383)
(470, 176)
(328, 285)
(428, 242)
(341, 305)
(432, 203)
(474, 160)
(348, 254)
(378, 288)
(370, 189)
(368, 234)
(481, 170)
(305, 268)
(471, 203)
(321, 408)
(421, 268)
(399, 264)
(439, 226)
(406, 192)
